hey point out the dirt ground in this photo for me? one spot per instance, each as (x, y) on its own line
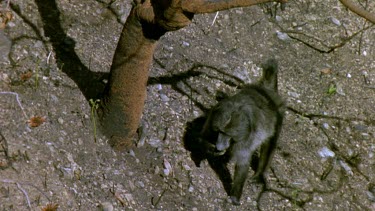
(325, 159)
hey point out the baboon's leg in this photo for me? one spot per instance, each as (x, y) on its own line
(240, 174)
(219, 165)
(265, 156)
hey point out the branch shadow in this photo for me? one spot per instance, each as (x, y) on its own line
(177, 80)
(90, 83)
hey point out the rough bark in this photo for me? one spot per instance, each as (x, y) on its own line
(359, 10)
(125, 94)
(124, 97)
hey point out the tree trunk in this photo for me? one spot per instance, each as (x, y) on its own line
(124, 97)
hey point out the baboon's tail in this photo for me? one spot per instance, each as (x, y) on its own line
(269, 78)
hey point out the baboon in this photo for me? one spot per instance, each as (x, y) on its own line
(238, 125)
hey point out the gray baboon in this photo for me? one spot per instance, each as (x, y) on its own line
(238, 125)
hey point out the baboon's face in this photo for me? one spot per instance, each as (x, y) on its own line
(229, 122)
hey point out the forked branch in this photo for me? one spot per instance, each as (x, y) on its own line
(207, 6)
(175, 14)
(359, 10)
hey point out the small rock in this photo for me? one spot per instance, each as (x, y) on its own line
(282, 36)
(131, 153)
(131, 185)
(335, 21)
(155, 143)
(325, 125)
(346, 167)
(365, 136)
(186, 44)
(80, 142)
(360, 127)
(191, 188)
(167, 167)
(140, 184)
(186, 167)
(325, 152)
(156, 170)
(293, 94)
(164, 97)
(340, 89)
(60, 120)
(159, 87)
(106, 206)
(129, 198)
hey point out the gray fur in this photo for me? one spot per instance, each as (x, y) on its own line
(242, 123)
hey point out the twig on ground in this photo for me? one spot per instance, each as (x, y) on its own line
(18, 101)
(329, 49)
(310, 116)
(24, 193)
(213, 22)
(25, 183)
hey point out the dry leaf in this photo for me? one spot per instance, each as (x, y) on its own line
(36, 121)
(326, 70)
(5, 17)
(50, 207)
(26, 76)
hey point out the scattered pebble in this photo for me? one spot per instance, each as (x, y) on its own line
(293, 94)
(131, 185)
(164, 97)
(167, 167)
(340, 89)
(282, 36)
(140, 184)
(325, 152)
(129, 198)
(335, 21)
(156, 170)
(191, 188)
(106, 206)
(155, 142)
(325, 125)
(60, 120)
(186, 44)
(360, 127)
(346, 167)
(187, 167)
(131, 153)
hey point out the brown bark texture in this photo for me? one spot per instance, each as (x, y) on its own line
(125, 94)
(359, 10)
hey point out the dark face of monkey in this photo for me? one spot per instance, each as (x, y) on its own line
(237, 126)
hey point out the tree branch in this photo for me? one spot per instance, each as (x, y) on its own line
(209, 6)
(359, 11)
